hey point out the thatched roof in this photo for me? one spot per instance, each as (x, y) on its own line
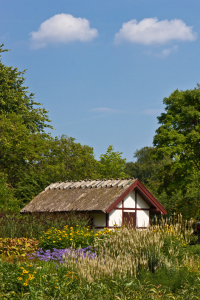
(83, 195)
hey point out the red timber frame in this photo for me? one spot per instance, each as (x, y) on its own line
(145, 194)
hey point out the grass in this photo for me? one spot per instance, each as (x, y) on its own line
(158, 263)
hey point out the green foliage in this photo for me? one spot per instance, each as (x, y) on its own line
(178, 137)
(146, 168)
(14, 98)
(18, 246)
(32, 225)
(68, 237)
(73, 160)
(75, 237)
(177, 277)
(111, 164)
(7, 200)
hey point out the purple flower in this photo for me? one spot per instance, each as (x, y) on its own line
(59, 254)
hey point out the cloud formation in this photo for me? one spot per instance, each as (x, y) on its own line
(151, 31)
(166, 52)
(62, 28)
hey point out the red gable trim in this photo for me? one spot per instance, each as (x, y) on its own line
(144, 191)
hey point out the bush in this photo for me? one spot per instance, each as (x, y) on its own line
(17, 246)
(32, 225)
(76, 237)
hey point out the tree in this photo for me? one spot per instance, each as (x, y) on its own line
(179, 133)
(111, 164)
(73, 160)
(7, 199)
(14, 98)
(146, 168)
(179, 138)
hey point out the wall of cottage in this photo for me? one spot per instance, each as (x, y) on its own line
(130, 204)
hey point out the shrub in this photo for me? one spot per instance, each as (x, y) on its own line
(76, 237)
(31, 225)
(17, 246)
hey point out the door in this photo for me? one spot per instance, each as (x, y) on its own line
(129, 219)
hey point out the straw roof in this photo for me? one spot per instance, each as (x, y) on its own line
(83, 195)
(88, 195)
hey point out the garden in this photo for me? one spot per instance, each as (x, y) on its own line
(62, 257)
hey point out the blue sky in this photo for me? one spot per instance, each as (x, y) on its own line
(102, 68)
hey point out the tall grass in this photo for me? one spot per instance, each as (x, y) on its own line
(32, 225)
(130, 250)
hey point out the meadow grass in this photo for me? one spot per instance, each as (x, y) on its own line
(158, 263)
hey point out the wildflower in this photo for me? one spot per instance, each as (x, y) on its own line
(19, 278)
(25, 283)
(25, 271)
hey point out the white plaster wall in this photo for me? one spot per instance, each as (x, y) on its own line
(115, 217)
(129, 210)
(99, 219)
(141, 203)
(142, 218)
(129, 200)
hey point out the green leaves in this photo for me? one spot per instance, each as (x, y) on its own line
(179, 133)
(14, 98)
(111, 164)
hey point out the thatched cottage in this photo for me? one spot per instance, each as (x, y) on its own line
(109, 202)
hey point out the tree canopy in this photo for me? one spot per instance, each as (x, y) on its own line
(111, 164)
(178, 137)
(14, 98)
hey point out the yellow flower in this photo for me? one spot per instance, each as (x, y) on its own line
(53, 241)
(19, 278)
(25, 283)
(34, 272)
(24, 271)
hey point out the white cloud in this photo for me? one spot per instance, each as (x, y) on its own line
(152, 112)
(151, 31)
(63, 28)
(166, 52)
(105, 110)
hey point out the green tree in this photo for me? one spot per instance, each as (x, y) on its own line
(179, 138)
(111, 164)
(7, 199)
(179, 135)
(146, 168)
(75, 161)
(14, 98)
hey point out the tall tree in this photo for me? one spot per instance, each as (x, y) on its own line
(146, 168)
(111, 164)
(14, 98)
(179, 138)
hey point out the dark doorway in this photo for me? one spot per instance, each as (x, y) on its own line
(130, 219)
